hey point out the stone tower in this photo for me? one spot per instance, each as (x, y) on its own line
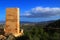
(12, 22)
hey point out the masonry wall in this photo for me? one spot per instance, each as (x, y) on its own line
(12, 21)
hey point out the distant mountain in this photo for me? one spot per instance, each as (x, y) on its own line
(44, 22)
(2, 22)
(23, 22)
(27, 22)
(55, 24)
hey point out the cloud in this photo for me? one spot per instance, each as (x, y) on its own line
(42, 12)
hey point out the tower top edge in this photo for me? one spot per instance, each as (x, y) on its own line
(12, 8)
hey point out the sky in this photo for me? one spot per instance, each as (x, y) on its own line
(32, 10)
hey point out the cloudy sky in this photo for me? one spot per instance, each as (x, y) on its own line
(32, 10)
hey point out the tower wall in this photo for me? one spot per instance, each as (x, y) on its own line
(12, 21)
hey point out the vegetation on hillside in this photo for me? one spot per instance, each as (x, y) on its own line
(40, 32)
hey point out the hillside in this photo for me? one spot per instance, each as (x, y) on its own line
(55, 24)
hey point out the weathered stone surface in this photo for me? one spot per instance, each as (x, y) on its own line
(2, 37)
(9, 37)
(12, 21)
